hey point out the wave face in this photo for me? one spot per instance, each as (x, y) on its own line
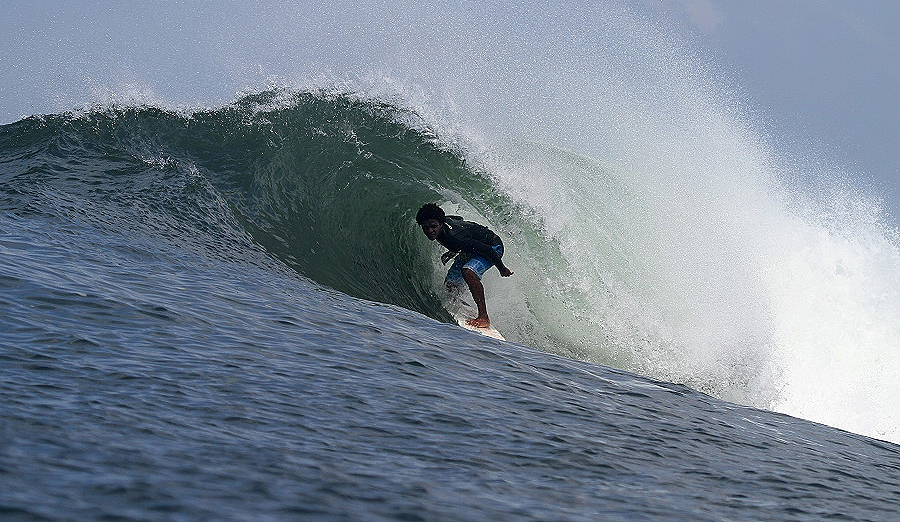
(324, 184)
(727, 283)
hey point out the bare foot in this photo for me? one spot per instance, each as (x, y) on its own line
(479, 322)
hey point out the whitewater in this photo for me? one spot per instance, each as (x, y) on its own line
(225, 309)
(662, 232)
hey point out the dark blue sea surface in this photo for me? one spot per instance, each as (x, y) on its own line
(223, 316)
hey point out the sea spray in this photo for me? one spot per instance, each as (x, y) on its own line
(674, 240)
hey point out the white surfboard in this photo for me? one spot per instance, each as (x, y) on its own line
(463, 311)
(489, 331)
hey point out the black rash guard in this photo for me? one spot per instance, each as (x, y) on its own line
(470, 238)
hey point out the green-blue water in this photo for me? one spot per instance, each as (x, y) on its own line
(231, 315)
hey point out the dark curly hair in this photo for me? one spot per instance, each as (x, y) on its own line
(430, 211)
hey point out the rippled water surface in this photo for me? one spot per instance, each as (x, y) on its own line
(194, 325)
(143, 385)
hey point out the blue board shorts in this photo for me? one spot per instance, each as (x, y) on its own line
(475, 263)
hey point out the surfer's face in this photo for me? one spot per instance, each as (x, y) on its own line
(432, 229)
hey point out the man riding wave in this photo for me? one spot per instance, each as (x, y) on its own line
(475, 247)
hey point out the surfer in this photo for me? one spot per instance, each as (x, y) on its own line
(475, 247)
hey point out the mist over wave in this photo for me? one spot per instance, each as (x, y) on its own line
(650, 221)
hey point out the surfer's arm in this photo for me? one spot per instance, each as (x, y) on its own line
(447, 256)
(485, 250)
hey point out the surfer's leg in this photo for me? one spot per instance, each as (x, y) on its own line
(477, 289)
(472, 271)
(455, 280)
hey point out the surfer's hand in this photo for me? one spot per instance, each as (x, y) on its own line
(447, 256)
(505, 272)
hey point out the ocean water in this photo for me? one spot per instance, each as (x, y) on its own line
(230, 314)
(215, 303)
